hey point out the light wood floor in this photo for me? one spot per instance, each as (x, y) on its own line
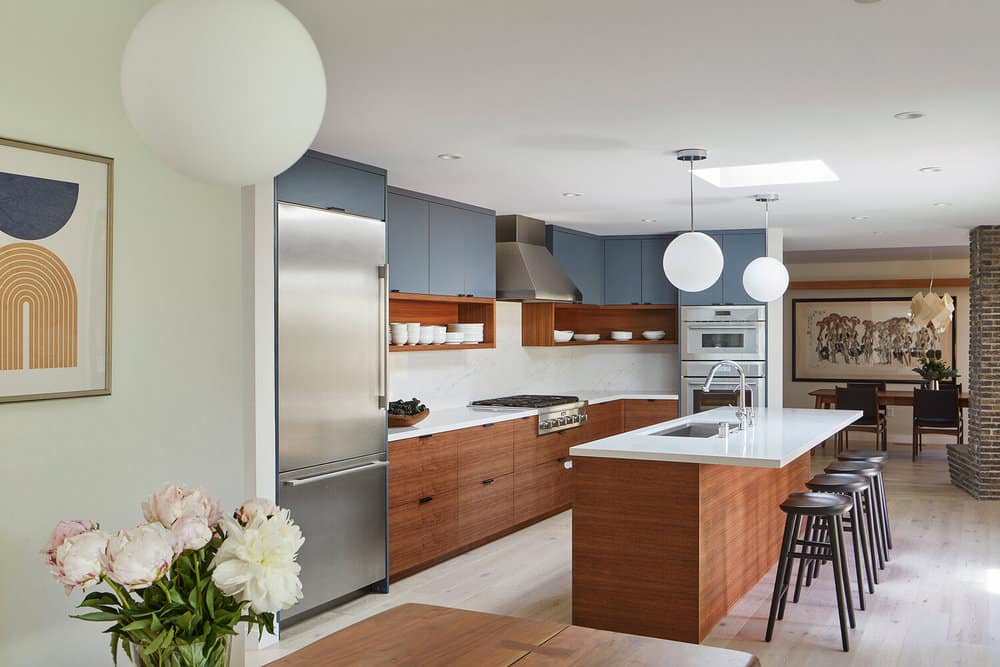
(938, 603)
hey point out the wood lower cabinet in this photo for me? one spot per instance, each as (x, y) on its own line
(646, 412)
(603, 420)
(424, 466)
(422, 530)
(485, 452)
(541, 490)
(485, 508)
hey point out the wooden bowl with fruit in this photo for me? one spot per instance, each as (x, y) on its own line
(407, 413)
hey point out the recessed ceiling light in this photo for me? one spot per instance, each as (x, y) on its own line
(649, 219)
(774, 173)
(572, 194)
(908, 115)
(941, 204)
(931, 170)
(859, 218)
(450, 156)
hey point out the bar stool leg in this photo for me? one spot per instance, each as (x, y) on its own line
(862, 528)
(845, 579)
(880, 515)
(874, 554)
(803, 561)
(857, 555)
(788, 570)
(885, 509)
(838, 581)
(783, 564)
(873, 518)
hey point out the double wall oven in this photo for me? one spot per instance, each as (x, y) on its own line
(710, 334)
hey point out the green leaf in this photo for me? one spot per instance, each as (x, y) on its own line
(98, 599)
(97, 616)
(115, 638)
(210, 601)
(139, 624)
(154, 645)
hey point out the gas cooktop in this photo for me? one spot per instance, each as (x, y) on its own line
(525, 401)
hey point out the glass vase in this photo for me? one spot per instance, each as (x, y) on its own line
(195, 654)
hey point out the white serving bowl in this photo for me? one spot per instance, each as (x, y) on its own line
(562, 336)
(654, 335)
(426, 335)
(440, 334)
(621, 335)
(586, 338)
(412, 333)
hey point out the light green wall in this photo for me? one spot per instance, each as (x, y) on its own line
(179, 337)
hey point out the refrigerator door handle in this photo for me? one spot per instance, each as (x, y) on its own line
(302, 481)
(383, 295)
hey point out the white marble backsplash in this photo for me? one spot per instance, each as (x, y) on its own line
(445, 379)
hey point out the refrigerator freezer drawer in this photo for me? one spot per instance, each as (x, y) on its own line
(342, 516)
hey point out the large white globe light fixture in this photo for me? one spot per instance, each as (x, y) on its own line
(693, 261)
(228, 91)
(765, 278)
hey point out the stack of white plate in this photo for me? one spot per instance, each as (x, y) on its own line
(621, 335)
(454, 338)
(562, 336)
(587, 338)
(472, 331)
(654, 335)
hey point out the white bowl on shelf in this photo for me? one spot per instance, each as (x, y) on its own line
(587, 338)
(562, 335)
(454, 338)
(654, 335)
(621, 335)
(426, 335)
(412, 333)
(440, 334)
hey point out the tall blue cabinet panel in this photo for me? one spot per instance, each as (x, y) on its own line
(480, 254)
(582, 257)
(741, 248)
(622, 273)
(329, 182)
(713, 295)
(408, 240)
(655, 286)
(447, 250)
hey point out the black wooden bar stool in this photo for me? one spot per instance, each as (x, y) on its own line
(854, 486)
(873, 511)
(873, 456)
(828, 509)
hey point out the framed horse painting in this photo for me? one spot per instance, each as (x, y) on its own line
(865, 339)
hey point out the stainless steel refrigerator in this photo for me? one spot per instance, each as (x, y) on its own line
(332, 311)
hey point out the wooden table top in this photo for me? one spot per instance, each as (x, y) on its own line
(417, 635)
(888, 397)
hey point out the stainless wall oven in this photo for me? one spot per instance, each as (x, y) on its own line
(711, 333)
(724, 386)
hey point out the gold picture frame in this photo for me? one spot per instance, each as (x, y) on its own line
(56, 256)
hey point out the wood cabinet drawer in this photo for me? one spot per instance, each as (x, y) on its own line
(555, 446)
(420, 467)
(541, 489)
(485, 452)
(646, 412)
(485, 509)
(525, 441)
(421, 531)
(603, 420)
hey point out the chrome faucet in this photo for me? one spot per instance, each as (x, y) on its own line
(744, 413)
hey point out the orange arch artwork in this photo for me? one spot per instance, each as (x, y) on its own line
(34, 276)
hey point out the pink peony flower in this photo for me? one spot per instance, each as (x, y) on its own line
(190, 533)
(138, 557)
(254, 508)
(173, 502)
(78, 561)
(63, 530)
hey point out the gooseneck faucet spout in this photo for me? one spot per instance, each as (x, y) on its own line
(744, 413)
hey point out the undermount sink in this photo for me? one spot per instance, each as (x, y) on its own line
(696, 430)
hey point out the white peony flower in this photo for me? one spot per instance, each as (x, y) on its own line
(190, 532)
(173, 502)
(253, 508)
(78, 560)
(256, 563)
(138, 557)
(63, 530)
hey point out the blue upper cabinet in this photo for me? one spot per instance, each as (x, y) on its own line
(408, 240)
(655, 286)
(622, 271)
(739, 248)
(582, 257)
(441, 247)
(333, 183)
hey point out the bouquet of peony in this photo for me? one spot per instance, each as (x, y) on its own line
(183, 581)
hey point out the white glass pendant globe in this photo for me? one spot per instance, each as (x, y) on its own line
(228, 91)
(693, 262)
(765, 279)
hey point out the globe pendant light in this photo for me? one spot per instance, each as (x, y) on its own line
(693, 261)
(227, 91)
(765, 278)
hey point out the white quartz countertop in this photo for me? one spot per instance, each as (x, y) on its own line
(778, 437)
(451, 419)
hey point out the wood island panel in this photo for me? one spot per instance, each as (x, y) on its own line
(665, 549)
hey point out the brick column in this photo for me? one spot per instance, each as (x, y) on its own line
(976, 467)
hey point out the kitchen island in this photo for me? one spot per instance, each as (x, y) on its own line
(669, 532)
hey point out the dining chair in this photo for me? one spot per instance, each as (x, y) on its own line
(872, 420)
(936, 411)
(879, 386)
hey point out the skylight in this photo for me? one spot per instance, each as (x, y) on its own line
(774, 173)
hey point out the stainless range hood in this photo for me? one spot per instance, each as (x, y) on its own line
(526, 270)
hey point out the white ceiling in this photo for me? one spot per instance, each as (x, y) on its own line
(548, 96)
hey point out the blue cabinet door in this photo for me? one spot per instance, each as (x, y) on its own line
(408, 239)
(582, 257)
(480, 254)
(446, 274)
(713, 295)
(330, 183)
(622, 271)
(655, 286)
(740, 248)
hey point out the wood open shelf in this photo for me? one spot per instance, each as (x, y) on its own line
(539, 320)
(431, 309)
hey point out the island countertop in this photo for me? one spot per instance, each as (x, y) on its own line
(778, 437)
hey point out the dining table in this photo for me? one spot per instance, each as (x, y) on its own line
(827, 398)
